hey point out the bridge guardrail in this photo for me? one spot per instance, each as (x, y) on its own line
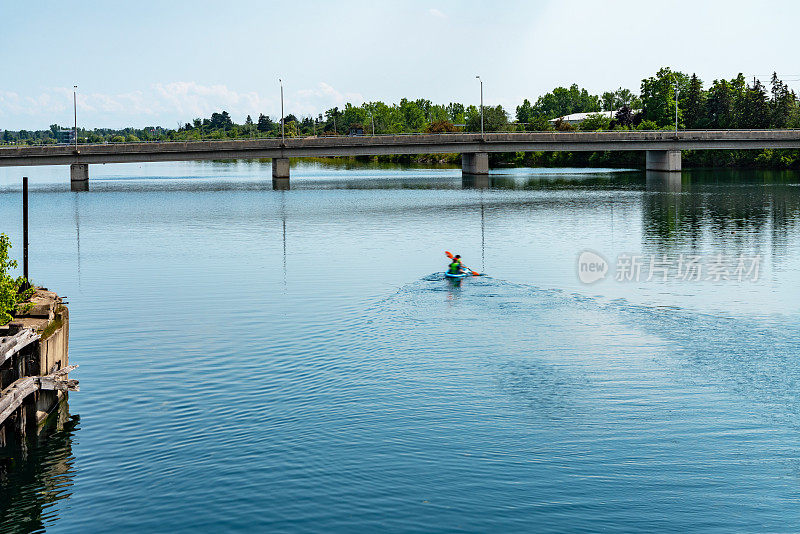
(401, 134)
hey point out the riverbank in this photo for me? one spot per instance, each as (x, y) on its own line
(786, 159)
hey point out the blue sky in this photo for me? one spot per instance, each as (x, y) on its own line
(146, 62)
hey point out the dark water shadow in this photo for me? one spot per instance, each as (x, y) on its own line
(37, 473)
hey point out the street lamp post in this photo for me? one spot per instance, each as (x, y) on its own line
(479, 78)
(75, 111)
(677, 89)
(283, 135)
(372, 120)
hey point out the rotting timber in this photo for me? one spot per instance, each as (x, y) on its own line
(34, 364)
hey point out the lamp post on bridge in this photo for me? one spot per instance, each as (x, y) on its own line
(75, 111)
(479, 78)
(677, 90)
(283, 136)
(372, 120)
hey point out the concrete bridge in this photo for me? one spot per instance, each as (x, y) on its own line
(663, 148)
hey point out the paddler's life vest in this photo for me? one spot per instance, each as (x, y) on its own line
(455, 267)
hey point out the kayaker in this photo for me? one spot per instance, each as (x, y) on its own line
(455, 266)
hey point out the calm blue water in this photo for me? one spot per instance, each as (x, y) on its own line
(256, 360)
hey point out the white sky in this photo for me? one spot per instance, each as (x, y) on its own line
(160, 63)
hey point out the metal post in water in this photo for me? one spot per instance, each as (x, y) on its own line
(25, 228)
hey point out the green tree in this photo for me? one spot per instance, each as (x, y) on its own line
(594, 122)
(525, 112)
(494, 119)
(456, 112)
(755, 111)
(647, 125)
(539, 123)
(443, 126)
(9, 286)
(531, 119)
(782, 103)
(562, 101)
(693, 104)
(720, 112)
(625, 97)
(658, 96)
(353, 116)
(608, 100)
(333, 117)
(414, 116)
(221, 121)
(264, 123)
(438, 113)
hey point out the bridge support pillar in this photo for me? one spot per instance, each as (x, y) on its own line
(79, 172)
(663, 160)
(79, 176)
(475, 163)
(280, 173)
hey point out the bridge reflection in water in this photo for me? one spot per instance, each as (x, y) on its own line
(476, 181)
(663, 181)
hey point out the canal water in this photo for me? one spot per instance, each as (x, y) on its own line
(294, 361)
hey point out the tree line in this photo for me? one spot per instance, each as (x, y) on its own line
(725, 104)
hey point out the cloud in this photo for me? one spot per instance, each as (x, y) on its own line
(12, 104)
(191, 98)
(162, 103)
(436, 13)
(324, 96)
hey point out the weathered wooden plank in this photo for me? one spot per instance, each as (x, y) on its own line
(65, 371)
(9, 346)
(56, 384)
(14, 395)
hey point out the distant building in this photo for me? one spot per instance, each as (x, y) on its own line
(65, 136)
(577, 118)
(356, 130)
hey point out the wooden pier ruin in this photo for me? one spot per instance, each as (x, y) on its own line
(34, 364)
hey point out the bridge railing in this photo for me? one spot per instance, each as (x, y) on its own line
(9, 144)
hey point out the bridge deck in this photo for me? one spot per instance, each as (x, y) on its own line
(400, 144)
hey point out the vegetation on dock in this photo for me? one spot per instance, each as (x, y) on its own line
(11, 288)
